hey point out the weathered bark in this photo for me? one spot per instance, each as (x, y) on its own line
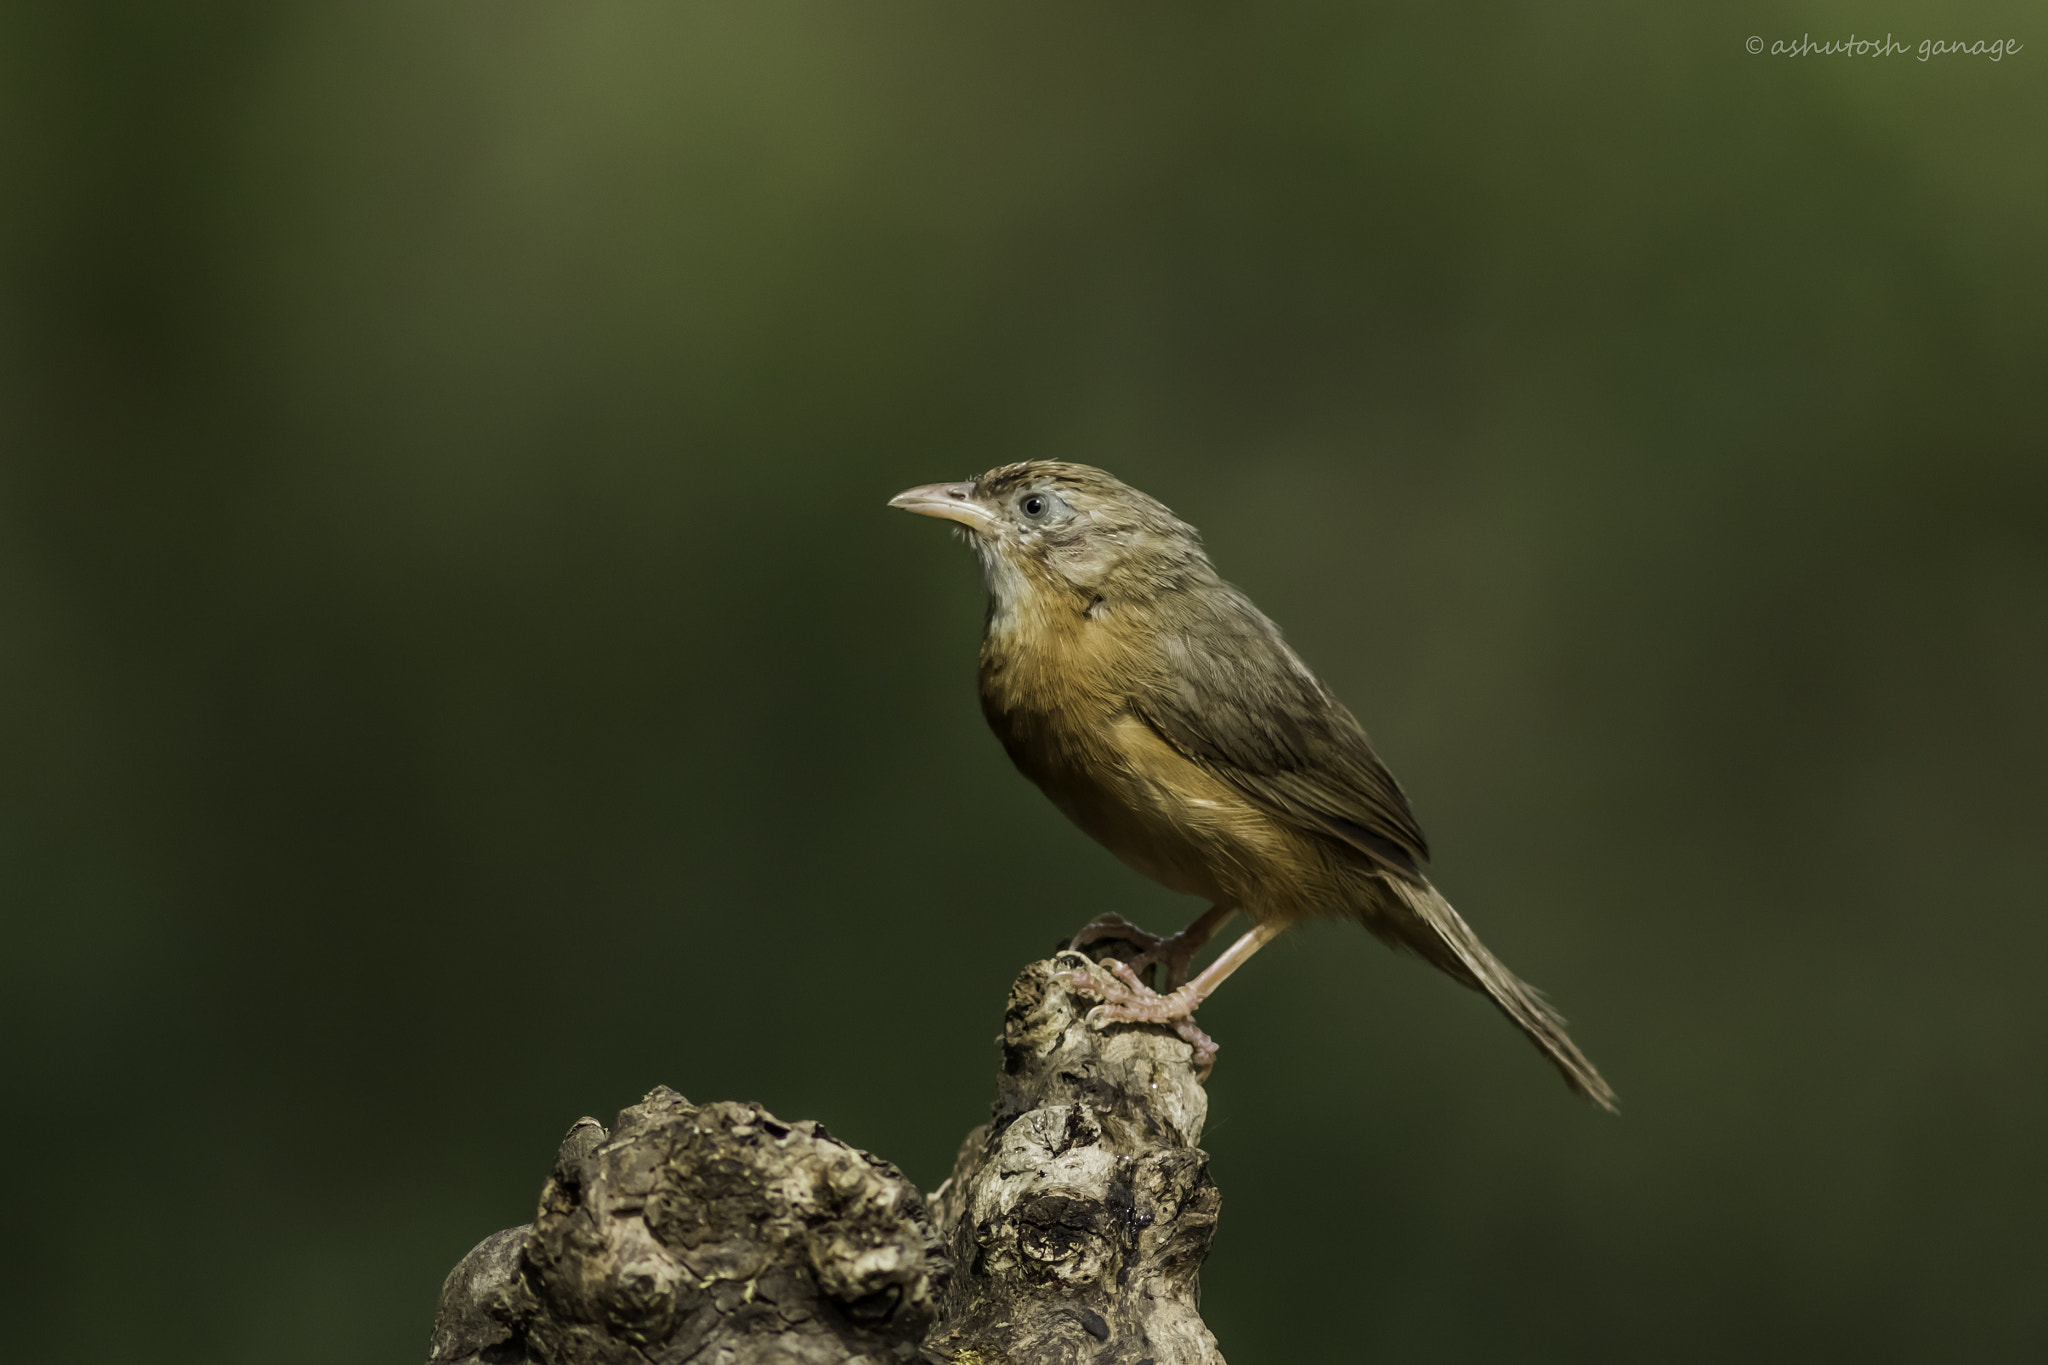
(712, 1233)
(1072, 1228)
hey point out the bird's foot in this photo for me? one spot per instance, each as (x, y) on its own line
(1110, 936)
(1170, 954)
(1134, 1002)
(1112, 927)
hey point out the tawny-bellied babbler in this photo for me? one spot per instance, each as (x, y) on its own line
(1160, 710)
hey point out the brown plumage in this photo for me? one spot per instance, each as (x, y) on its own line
(1162, 713)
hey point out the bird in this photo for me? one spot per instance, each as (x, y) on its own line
(1162, 712)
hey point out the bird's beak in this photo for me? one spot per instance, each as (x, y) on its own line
(953, 501)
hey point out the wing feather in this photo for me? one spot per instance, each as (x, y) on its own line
(1243, 705)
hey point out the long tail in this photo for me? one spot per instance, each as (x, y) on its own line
(1438, 933)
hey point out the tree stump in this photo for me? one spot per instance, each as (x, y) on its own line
(1072, 1229)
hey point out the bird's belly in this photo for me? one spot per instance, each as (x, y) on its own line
(1140, 828)
(1159, 813)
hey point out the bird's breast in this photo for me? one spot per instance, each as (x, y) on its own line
(1067, 714)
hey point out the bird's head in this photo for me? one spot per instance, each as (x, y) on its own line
(1048, 528)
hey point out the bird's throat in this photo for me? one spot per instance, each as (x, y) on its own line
(1010, 591)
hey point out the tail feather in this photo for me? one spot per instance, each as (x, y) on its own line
(1438, 933)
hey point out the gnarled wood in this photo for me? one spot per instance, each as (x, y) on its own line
(1080, 1214)
(1072, 1228)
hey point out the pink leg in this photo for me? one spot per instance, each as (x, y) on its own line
(1137, 1003)
(1174, 953)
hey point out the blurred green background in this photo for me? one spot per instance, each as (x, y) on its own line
(457, 670)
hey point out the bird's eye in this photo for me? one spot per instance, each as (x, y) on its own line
(1033, 506)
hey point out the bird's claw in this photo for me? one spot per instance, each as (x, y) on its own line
(1110, 925)
(1134, 1002)
(1171, 953)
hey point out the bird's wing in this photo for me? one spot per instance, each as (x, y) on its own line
(1230, 695)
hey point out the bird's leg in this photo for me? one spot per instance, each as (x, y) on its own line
(1174, 953)
(1137, 1003)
